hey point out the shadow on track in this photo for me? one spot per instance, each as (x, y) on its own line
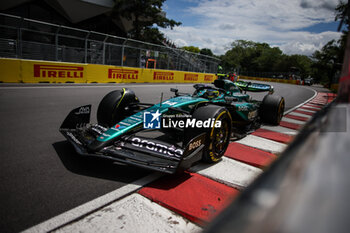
(94, 167)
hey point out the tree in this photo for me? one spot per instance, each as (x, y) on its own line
(302, 63)
(328, 60)
(266, 58)
(143, 14)
(206, 51)
(250, 56)
(342, 14)
(239, 56)
(192, 49)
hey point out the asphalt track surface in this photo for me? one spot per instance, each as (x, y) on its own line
(40, 174)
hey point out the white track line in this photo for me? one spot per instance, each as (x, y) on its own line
(229, 171)
(299, 105)
(280, 129)
(286, 119)
(299, 114)
(307, 110)
(313, 105)
(263, 144)
(316, 109)
(134, 213)
(91, 206)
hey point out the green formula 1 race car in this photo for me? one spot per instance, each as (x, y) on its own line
(176, 133)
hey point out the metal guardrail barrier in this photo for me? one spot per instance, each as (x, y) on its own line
(32, 39)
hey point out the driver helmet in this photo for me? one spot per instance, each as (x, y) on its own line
(210, 93)
(219, 69)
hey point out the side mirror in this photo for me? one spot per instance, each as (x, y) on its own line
(175, 90)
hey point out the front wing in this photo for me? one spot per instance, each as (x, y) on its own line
(142, 152)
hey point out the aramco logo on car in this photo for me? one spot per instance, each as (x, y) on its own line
(153, 120)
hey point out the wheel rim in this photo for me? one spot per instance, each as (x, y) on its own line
(220, 139)
(280, 110)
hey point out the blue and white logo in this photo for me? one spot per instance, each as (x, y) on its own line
(151, 120)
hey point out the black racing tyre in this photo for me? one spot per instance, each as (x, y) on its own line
(272, 109)
(112, 107)
(217, 138)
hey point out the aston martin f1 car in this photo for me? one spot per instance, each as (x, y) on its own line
(176, 133)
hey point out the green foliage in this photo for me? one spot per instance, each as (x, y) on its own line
(260, 57)
(341, 13)
(152, 35)
(144, 15)
(206, 51)
(192, 49)
(328, 61)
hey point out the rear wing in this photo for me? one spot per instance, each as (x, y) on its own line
(254, 87)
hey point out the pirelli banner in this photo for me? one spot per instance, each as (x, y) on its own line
(52, 72)
(181, 77)
(31, 71)
(116, 74)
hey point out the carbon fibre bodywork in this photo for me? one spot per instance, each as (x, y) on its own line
(166, 149)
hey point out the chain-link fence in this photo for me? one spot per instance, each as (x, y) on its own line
(276, 75)
(31, 39)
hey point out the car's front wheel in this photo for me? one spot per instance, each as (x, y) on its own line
(217, 135)
(112, 107)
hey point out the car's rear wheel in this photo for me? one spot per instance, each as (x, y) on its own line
(217, 137)
(272, 109)
(112, 107)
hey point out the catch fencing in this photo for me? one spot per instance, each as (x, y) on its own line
(30, 39)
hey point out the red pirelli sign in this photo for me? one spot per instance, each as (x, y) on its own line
(58, 71)
(123, 74)
(191, 77)
(163, 76)
(208, 78)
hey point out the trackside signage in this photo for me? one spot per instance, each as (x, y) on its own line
(163, 76)
(208, 78)
(58, 71)
(191, 77)
(123, 74)
(32, 71)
